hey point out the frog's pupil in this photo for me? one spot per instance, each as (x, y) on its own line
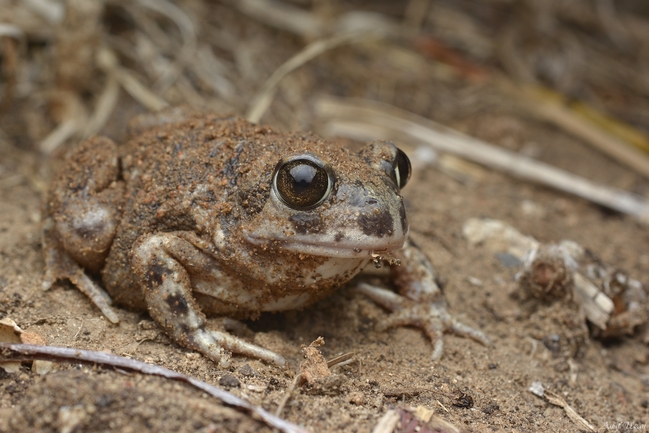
(303, 176)
(402, 168)
(302, 184)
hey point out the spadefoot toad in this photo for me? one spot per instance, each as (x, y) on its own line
(203, 215)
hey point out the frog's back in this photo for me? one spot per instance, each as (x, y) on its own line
(178, 177)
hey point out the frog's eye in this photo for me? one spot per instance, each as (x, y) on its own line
(302, 184)
(402, 168)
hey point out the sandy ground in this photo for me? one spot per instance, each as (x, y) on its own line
(606, 382)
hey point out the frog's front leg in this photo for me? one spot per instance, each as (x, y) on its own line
(165, 264)
(420, 302)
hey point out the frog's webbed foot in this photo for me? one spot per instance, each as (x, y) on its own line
(161, 262)
(431, 317)
(59, 265)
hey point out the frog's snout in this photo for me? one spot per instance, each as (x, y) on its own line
(381, 219)
(378, 224)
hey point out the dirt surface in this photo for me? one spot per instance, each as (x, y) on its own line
(606, 382)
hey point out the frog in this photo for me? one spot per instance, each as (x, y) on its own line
(199, 215)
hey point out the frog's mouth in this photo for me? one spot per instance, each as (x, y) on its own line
(330, 249)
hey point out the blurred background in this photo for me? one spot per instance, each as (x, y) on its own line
(78, 67)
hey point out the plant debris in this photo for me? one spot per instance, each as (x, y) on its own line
(609, 298)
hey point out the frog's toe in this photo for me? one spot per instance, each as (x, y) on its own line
(59, 265)
(216, 345)
(242, 347)
(97, 295)
(438, 320)
(431, 317)
(81, 281)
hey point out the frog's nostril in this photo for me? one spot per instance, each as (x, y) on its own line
(371, 201)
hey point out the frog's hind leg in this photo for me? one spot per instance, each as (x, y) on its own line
(59, 265)
(82, 213)
(162, 261)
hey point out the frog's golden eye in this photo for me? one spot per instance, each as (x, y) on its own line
(402, 168)
(302, 183)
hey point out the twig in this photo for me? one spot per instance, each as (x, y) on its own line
(289, 392)
(563, 117)
(106, 103)
(108, 62)
(73, 115)
(188, 32)
(300, 379)
(554, 399)
(264, 97)
(341, 360)
(364, 119)
(30, 352)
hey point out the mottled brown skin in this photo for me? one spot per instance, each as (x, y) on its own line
(176, 201)
(184, 220)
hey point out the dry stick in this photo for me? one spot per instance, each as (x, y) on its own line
(264, 96)
(106, 103)
(364, 119)
(74, 117)
(188, 32)
(564, 118)
(30, 352)
(108, 62)
(299, 380)
(556, 400)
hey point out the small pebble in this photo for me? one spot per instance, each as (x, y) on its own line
(229, 381)
(247, 371)
(508, 260)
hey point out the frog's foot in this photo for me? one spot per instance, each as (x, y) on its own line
(212, 344)
(431, 317)
(161, 262)
(59, 265)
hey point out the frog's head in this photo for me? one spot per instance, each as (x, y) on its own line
(326, 201)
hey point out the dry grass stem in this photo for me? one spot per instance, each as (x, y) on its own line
(106, 103)
(264, 97)
(139, 91)
(187, 30)
(554, 399)
(107, 61)
(288, 394)
(12, 31)
(73, 117)
(563, 117)
(339, 361)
